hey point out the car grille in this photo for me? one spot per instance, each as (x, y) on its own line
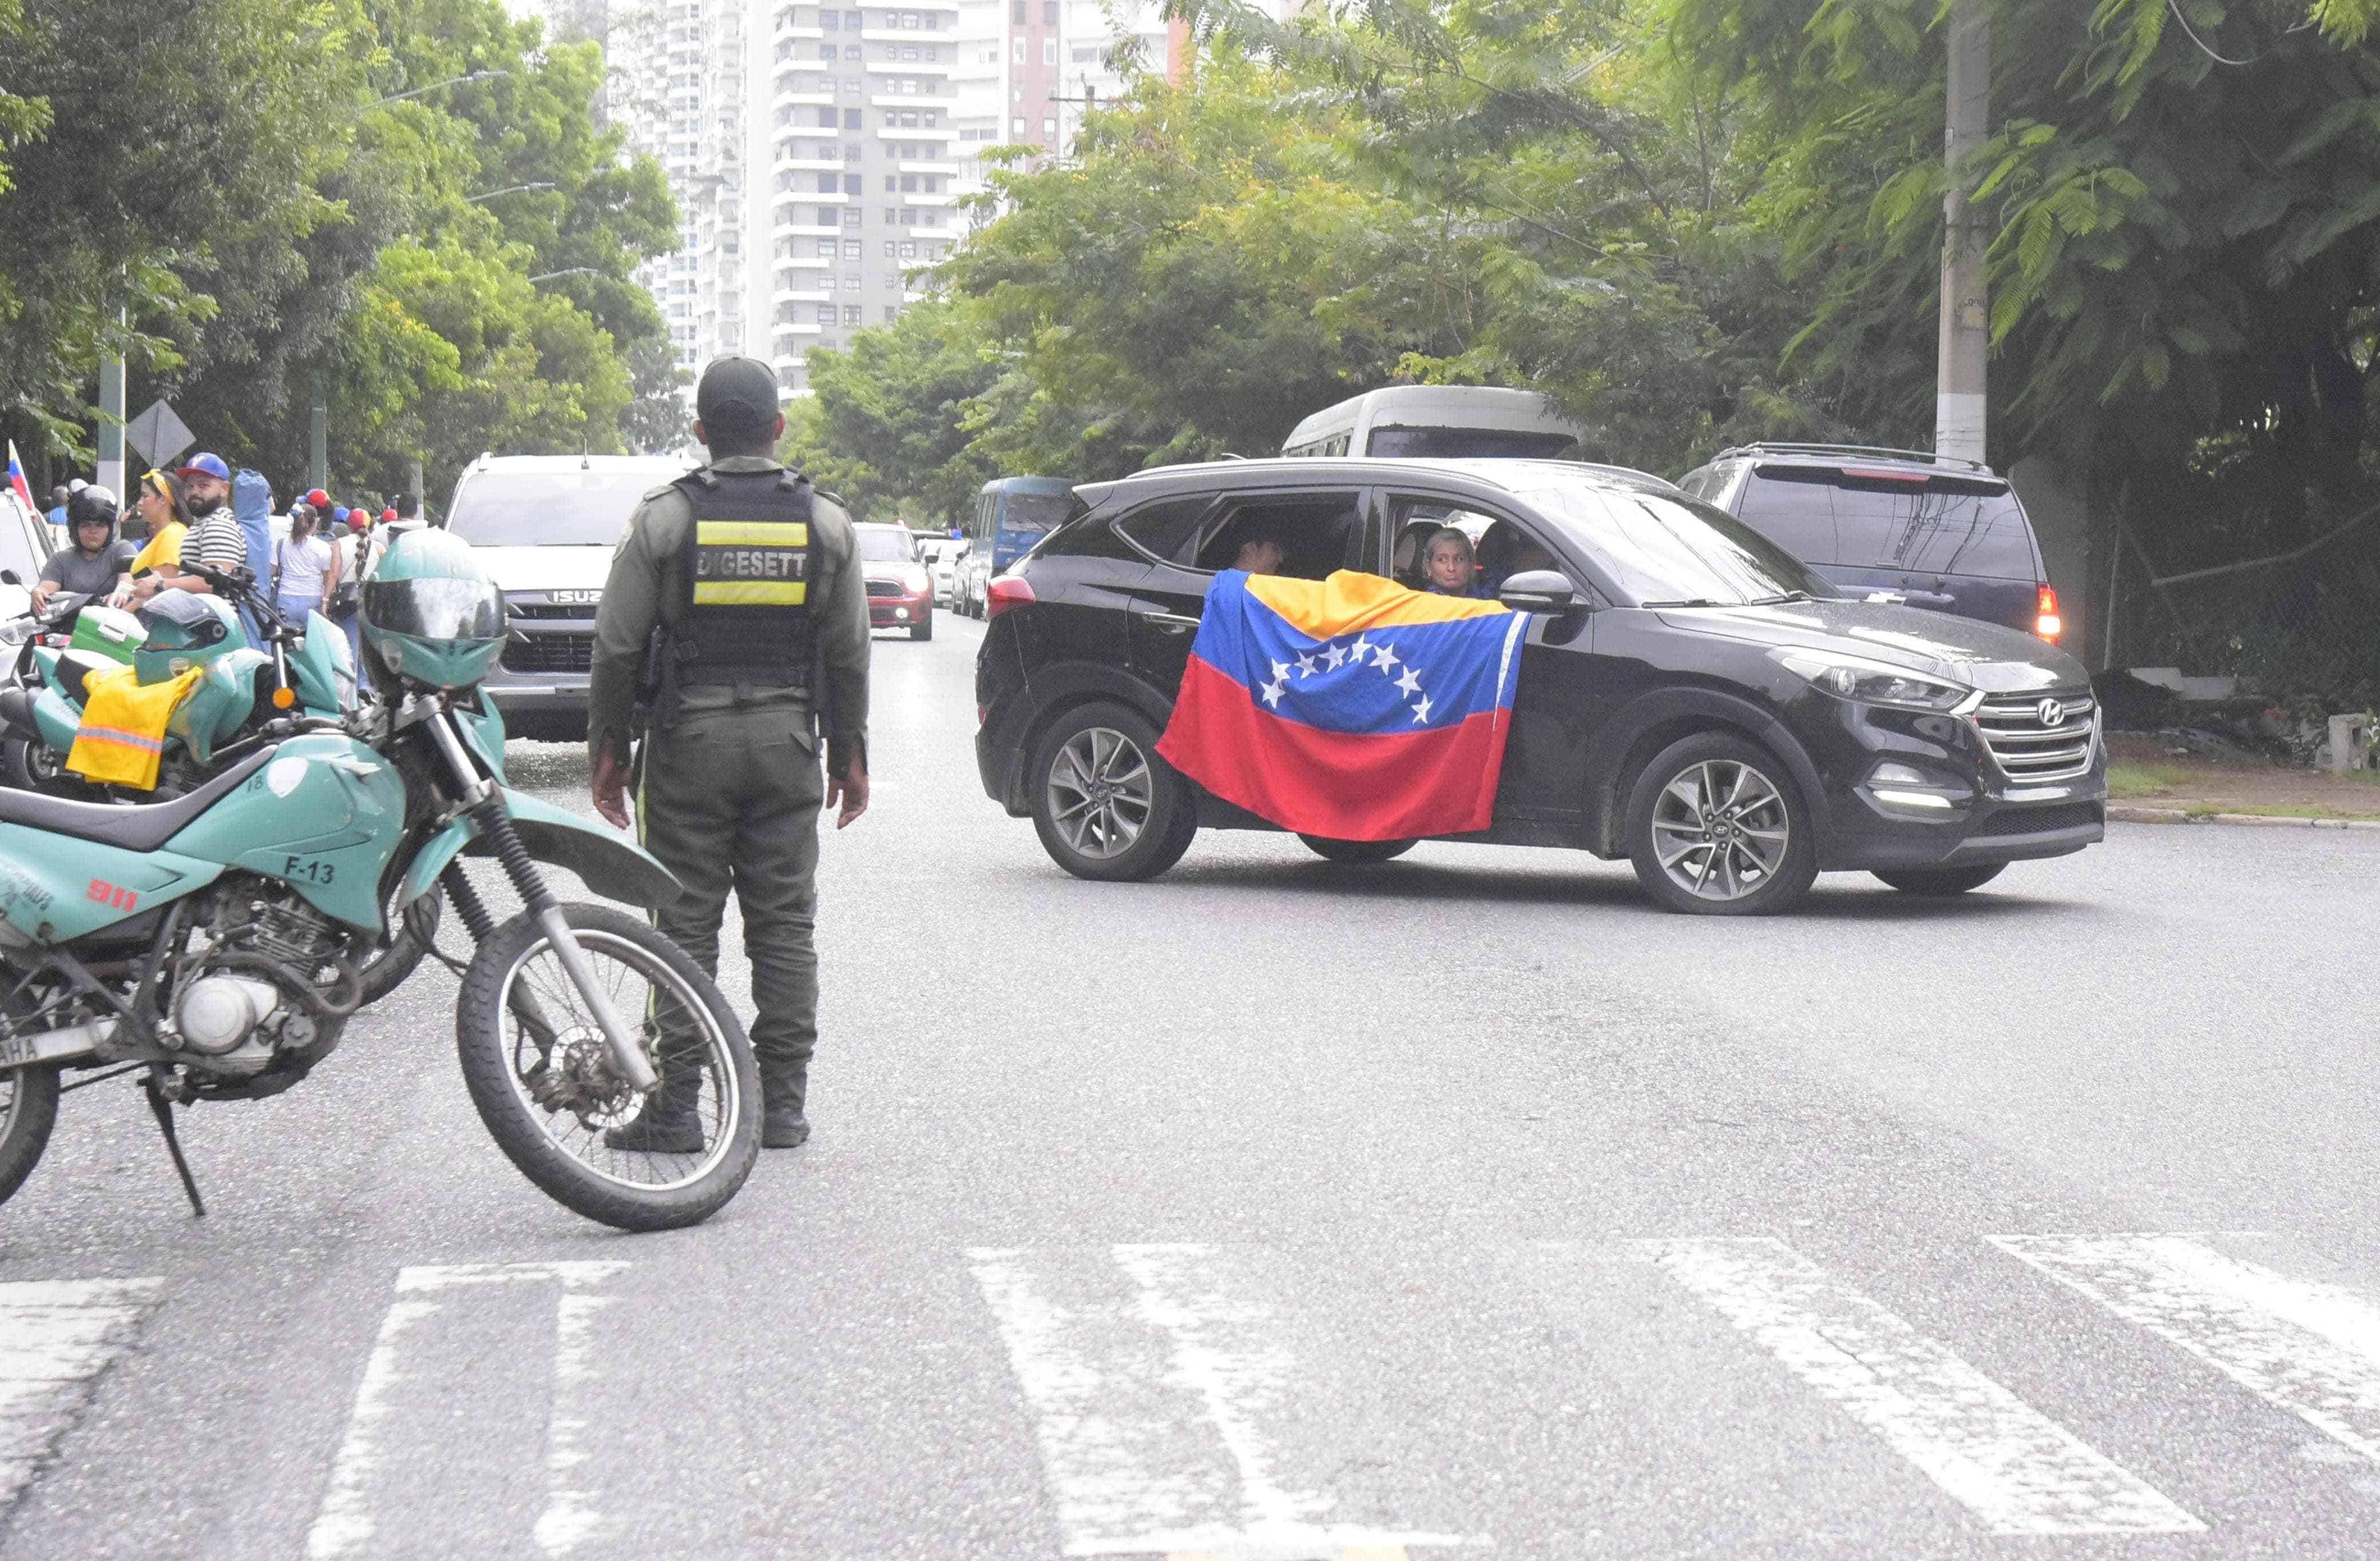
(2028, 748)
(884, 587)
(2040, 821)
(549, 610)
(551, 652)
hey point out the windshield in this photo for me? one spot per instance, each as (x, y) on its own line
(885, 544)
(1034, 512)
(16, 548)
(1465, 443)
(551, 508)
(1667, 550)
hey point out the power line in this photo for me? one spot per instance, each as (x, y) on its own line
(2175, 7)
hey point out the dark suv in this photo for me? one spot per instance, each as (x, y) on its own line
(1935, 531)
(1689, 696)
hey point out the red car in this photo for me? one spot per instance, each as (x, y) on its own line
(900, 587)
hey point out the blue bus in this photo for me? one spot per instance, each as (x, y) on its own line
(1011, 514)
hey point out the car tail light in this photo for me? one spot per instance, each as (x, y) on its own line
(1885, 474)
(1008, 590)
(2046, 621)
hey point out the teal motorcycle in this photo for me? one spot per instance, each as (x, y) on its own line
(302, 667)
(210, 944)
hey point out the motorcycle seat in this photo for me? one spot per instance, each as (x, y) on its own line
(75, 669)
(143, 827)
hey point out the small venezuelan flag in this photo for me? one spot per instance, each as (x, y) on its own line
(1350, 707)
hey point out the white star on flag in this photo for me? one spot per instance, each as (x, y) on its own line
(1280, 671)
(1271, 693)
(1386, 659)
(1306, 666)
(1409, 683)
(1335, 654)
(1360, 649)
(1421, 711)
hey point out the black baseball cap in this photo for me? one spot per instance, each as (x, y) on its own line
(745, 382)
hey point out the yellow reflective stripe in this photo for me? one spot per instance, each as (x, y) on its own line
(738, 593)
(753, 533)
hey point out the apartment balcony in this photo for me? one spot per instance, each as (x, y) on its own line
(805, 230)
(807, 165)
(948, 168)
(901, 100)
(909, 67)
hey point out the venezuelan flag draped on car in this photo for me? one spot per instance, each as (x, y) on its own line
(1349, 707)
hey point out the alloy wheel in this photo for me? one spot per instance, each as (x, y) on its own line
(1720, 830)
(1101, 792)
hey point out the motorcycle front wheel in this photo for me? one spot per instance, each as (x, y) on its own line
(548, 1092)
(29, 1109)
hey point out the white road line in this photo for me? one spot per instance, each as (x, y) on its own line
(57, 1337)
(343, 1524)
(2014, 1468)
(1149, 1389)
(2308, 1347)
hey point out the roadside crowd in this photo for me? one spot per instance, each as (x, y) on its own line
(199, 513)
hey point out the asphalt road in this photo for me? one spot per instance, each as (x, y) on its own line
(1465, 1206)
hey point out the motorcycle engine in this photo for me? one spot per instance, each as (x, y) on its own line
(253, 976)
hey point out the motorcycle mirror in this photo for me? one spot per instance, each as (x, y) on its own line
(8, 577)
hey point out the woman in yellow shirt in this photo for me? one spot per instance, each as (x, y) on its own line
(160, 559)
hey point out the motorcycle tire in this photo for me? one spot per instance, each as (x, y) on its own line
(28, 770)
(393, 961)
(492, 1049)
(26, 1115)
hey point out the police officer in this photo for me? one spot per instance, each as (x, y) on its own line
(734, 630)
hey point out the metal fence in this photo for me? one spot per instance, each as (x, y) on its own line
(2301, 624)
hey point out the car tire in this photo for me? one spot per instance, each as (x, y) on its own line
(1106, 807)
(1357, 853)
(1754, 853)
(922, 631)
(1942, 882)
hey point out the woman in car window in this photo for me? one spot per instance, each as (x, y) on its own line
(1448, 566)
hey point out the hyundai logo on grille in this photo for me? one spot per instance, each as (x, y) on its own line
(2051, 712)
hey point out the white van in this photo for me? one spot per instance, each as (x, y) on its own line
(1444, 421)
(544, 527)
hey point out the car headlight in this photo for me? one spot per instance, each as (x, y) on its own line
(1872, 682)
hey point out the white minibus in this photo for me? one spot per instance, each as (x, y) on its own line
(1447, 422)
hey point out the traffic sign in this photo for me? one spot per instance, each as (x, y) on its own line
(158, 435)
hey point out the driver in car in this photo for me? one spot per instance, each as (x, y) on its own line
(95, 557)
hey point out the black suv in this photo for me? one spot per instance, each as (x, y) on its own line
(1689, 696)
(1935, 531)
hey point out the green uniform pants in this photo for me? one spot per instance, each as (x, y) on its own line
(729, 799)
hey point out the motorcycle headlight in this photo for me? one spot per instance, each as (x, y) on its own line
(1872, 682)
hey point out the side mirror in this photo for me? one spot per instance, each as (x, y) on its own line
(1539, 590)
(8, 577)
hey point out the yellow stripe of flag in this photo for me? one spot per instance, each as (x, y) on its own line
(745, 593)
(1348, 602)
(752, 533)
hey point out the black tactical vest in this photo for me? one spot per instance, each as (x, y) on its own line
(749, 561)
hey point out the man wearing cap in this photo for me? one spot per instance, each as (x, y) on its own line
(734, 623)
(215, 538)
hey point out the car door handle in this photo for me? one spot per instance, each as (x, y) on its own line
(1172, 622)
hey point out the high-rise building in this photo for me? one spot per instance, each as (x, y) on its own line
(819, 154)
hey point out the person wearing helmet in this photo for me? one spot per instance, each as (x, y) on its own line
(734, 623)
(95, 558)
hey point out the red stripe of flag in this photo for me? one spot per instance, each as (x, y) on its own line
(1344, 786)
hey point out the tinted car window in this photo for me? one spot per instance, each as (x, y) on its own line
(1319, 533)
(1933, 532)
(1464, 443)
(1166, 530)
(1795, 509)
(549, 509)
(1035, 512)
(1668, 549)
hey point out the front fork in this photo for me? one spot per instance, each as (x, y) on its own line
(486, 801)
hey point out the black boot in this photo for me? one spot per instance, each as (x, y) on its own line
(667, 1125)
(784, 1091)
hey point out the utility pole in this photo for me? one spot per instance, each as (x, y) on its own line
(1965, 337)
(109, 473)
(318, 451)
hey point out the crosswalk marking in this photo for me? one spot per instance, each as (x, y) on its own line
(56, 1338)
(2308, 1347)
(344, 1526)
(2015, 1469)
(1150, 1384)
